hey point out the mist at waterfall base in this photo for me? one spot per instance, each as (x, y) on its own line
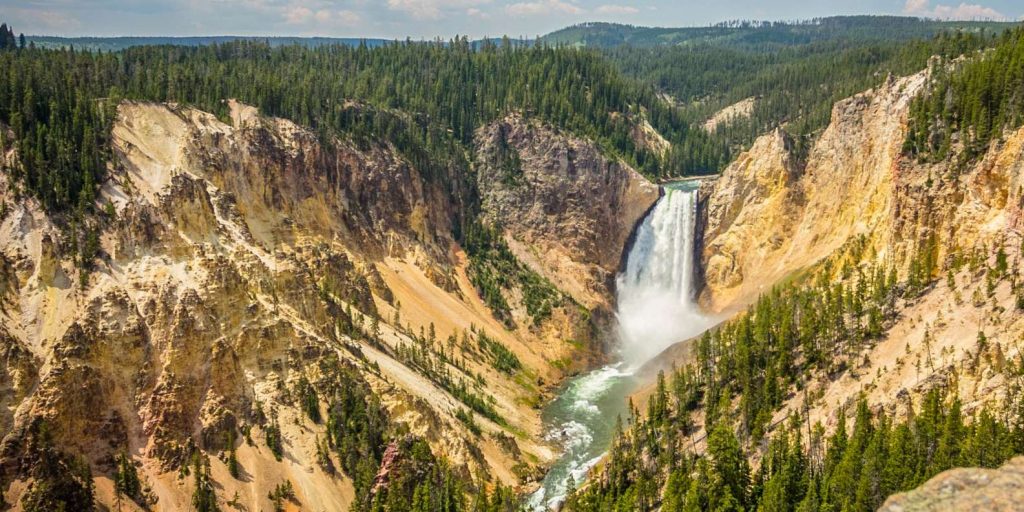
(654, 309)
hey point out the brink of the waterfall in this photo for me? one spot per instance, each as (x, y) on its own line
(656, 306)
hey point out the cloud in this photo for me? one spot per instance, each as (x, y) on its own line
(431, 9)
(473, 12)
(964, 11)
(616, 9)
(542, 7)
(297, 15)
(39, 20)
(342, 17)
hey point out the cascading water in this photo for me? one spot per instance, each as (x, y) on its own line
(655, 306)
(655, 309)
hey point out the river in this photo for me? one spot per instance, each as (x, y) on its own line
(655, 308)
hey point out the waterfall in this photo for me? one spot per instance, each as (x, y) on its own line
(655, 310)
(655, 300)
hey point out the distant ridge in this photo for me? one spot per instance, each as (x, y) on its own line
(747, 33)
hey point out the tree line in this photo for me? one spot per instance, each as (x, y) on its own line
(60, 103)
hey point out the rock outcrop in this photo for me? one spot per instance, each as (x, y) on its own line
(857, 203)
(995, 490)
(581, 209)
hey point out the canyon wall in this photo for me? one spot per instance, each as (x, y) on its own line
(242, 262)
(859, 201)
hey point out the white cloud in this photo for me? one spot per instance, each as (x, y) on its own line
(616, 9)
(542, 7)
(36, 20)
(342, 17)
(297, 15)
(431, 9)
(473, 12)
(964, 11)
(915, 6)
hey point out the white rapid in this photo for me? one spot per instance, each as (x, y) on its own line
(655, 308)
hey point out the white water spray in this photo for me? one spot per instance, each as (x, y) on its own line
(655, 310)
(655, 290)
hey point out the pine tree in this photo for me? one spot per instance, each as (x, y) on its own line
(126, 479)
(204, 498)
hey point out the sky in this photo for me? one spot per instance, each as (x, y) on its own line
(428, 19)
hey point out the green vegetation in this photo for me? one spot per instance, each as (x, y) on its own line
(466, 417)
(506, 160)
(7, 39)
(309, 400)
(766, 36)
(58, 480)
(744, 371)
(494, 270)
(795, 72)
(502, 358)
(204, 494)
(126, 480)
(272, 436)
(970, 104)
(60, 103)
(854, 471)
(282, 492)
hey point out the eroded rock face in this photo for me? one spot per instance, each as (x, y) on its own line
(565, 208)
(965, 489)
(748, 213)
(860, 203)
(765, 218)
(244, 256)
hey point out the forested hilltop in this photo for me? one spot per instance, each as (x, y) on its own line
(765, 35)
(788, 73)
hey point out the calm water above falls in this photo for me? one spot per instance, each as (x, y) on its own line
(655, 308)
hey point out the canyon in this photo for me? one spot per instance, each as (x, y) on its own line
(246, 264)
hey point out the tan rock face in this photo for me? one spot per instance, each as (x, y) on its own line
(861, 200)
(242, 258)
(245, 257)
(765, 218)
(569, 212)
(749, 211)
(995, 490)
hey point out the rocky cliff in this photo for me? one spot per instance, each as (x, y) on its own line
(248, 275)
(768, 216)
(857, 202)
(965, 489)
(583, 205)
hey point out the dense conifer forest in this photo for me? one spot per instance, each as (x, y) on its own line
(969, 104)
(60, 103)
